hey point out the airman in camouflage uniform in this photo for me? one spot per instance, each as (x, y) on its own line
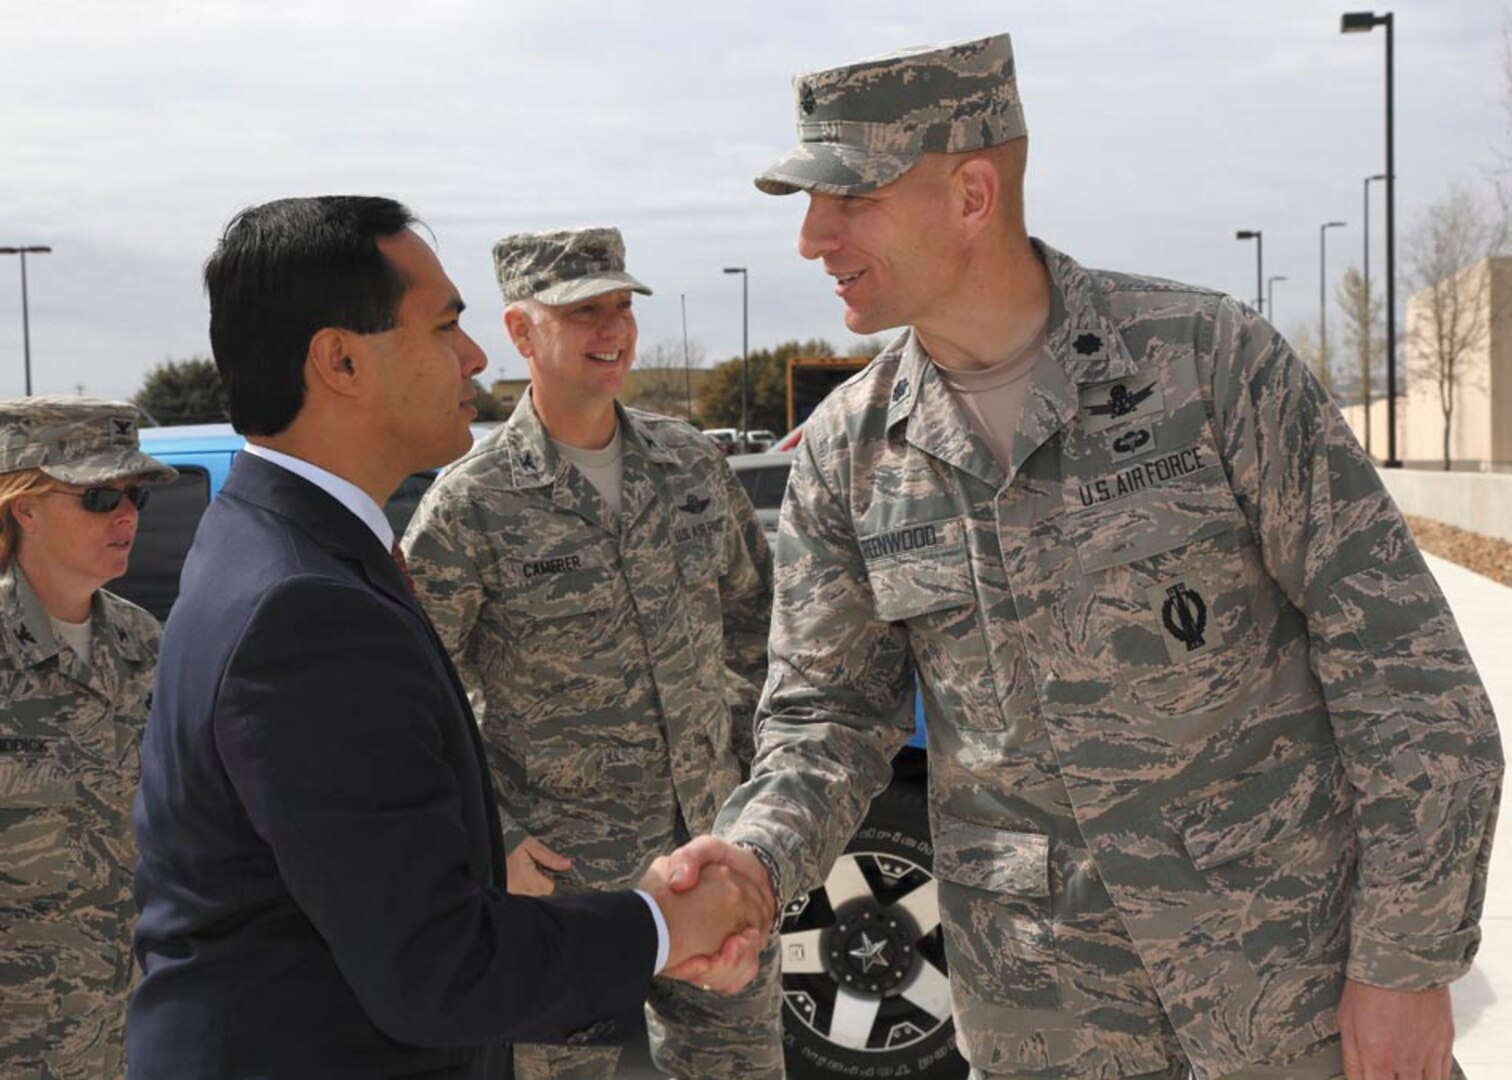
(69, 731)
(1211, 770)
(617, 652)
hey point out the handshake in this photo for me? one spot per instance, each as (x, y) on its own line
(718, 903)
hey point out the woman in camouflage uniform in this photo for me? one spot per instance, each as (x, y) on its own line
(76, 666)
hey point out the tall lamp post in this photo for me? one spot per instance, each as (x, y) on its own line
(1323, 372)
(745, 349)
(1270, 295)
(1254, 234)
(1365, 269)
(35, 249)
(1362, 22)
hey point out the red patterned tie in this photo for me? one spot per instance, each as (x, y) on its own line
(403, 566)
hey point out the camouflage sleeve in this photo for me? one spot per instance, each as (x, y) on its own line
(745, 597)
(836, 707)
(1411, 720)
(443, 545)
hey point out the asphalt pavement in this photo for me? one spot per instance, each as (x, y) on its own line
(1482, 1011)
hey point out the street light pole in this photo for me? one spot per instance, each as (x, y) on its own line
(687, 362)
(35, 249)
(1323, 372)
(1254, 234)
(1369, 329)
(1270, 295)
(1362, 22)
(745, 350)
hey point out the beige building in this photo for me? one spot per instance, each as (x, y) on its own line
(660, 390)
(1474, 311)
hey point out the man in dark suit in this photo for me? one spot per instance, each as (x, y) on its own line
(322, 880)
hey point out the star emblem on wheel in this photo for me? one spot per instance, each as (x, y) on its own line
(870, 953)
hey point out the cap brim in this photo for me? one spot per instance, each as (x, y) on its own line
(586, 288)
(833, 169)
(106, 468)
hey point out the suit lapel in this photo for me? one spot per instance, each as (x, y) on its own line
(336, 529)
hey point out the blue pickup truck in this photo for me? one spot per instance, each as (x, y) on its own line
(863, 964)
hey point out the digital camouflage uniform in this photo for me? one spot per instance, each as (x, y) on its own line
(1203, 735)
(69, 735)
(68, 773)
(613, 659)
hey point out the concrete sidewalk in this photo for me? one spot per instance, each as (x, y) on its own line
(1483, 998)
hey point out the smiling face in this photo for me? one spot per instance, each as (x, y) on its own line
(578, 351)
(893, 252)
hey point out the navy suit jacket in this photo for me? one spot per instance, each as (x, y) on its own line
(321, 876)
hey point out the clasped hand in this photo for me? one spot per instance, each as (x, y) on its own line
(719, 908)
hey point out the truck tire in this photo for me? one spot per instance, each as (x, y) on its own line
(864, 984)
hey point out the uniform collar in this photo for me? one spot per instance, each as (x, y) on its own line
(348, 494)
(27, 634)
(1082, 346)
(534, 462)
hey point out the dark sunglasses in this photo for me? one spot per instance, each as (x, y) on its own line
(102, 500)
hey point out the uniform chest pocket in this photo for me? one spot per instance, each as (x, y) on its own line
(1167, 605)
(921, 577)
(696, 543)
(38, 794)
(561, 588)
(996, 911)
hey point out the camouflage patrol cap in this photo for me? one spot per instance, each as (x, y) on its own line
(562, 266)
(77, 440)
(865, 124)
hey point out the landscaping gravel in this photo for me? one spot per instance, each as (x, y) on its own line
(1484, 555)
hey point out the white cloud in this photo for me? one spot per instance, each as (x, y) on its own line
(131, 130)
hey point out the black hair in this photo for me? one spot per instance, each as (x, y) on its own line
(282, 272)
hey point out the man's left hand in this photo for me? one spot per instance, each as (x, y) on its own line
(1396, 1034)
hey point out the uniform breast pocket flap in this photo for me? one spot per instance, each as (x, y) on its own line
(36, 793)
(918, 569)
(1148, 525)
(561, 586)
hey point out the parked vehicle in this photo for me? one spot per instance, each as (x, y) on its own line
(202, 455)
(758, 441)
(726, 438)
(791, 440)
(842, 1019)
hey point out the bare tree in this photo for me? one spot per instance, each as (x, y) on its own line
(1364, 340)
(663, 383)
(1445, 263)
(1303, 338)
(1502, 170)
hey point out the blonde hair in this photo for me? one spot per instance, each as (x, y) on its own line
(13, 486)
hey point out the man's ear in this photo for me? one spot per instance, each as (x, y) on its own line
(978, 189)
(518, 325)
(335, 361)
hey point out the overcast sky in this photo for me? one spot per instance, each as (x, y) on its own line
(131, 130)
